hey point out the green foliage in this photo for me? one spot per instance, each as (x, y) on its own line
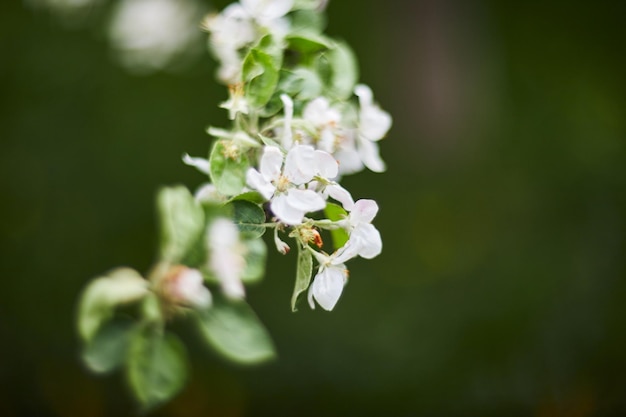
(228, 167)
(157, 367)
(98, 301)
(256, 255)
(345, 70)
(261, 68)
(234, 331)
(249, 217)
(107, 350)
(304, 271)
(182, 222)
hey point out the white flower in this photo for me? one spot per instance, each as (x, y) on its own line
(186, 286)
(227, 256)
(149, 35)
(364, 238)
(282, 185)
(328, 283)
(236, 102)
(326, 120)
(287, 134)
(373, 126)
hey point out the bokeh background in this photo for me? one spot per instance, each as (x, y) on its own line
(501, 287)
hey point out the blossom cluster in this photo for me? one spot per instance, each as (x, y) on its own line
(299, 123)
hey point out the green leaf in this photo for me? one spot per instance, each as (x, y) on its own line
(307, 20)
(261, 74)
(255, 261)
(107, 350)
(228, 168)
(248, 216)
(303, 275)
(235, 332)
(308, 42)
(345, 70)
(156, 368)
(102, 295)
(182, 222)
(251, 196)
(335, 212)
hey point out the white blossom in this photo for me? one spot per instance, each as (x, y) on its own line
(364, 238)
(282, 184)
(330, 279)
(326, 120)
(373, 126)
(150, 35)
(227, 256)
(187, 287)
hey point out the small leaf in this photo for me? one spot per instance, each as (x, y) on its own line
(157, 367)
(248, 216)
(255, 261)
(335, 212)
(261, 74)
(235, 332)
(308, 42)
(251, 196)
(102, 295)
(228, 168)
(107, 350)
(182, 222)
(345, 71)
(307, 20)
(303, 275)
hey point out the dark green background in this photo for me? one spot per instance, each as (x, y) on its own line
(501, 287)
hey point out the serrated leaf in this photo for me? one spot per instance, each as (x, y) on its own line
(102, 295)
(228, 168)
(261, 74)
(235, 332)
(182, 222)
(255, 261)
(304, 271)
(345, 70)
(156, 368)
(107, 350)
(248, 217)
(335, 212)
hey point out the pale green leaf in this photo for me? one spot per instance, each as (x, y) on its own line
(307, 20)
(261, 75)
(107, 350)
(182, 222)
(345, 71)
(156, 367)
(308, 42)
(102, 295)
(228, 168)
(255, 261)
(235, 332)
(303, 275)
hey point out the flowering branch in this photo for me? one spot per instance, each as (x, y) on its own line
(299, 123)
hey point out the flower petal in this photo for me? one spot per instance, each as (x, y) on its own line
(368, 241)
(364, 211)
(271, 163)
(328, 286)
(201, 164)
(300, 164)
(368, 151)
(305, 200)
(258, 182)
(285, 212)
(342, 195)
(326, 166)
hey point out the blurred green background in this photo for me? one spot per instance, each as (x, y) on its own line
(501, 287)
